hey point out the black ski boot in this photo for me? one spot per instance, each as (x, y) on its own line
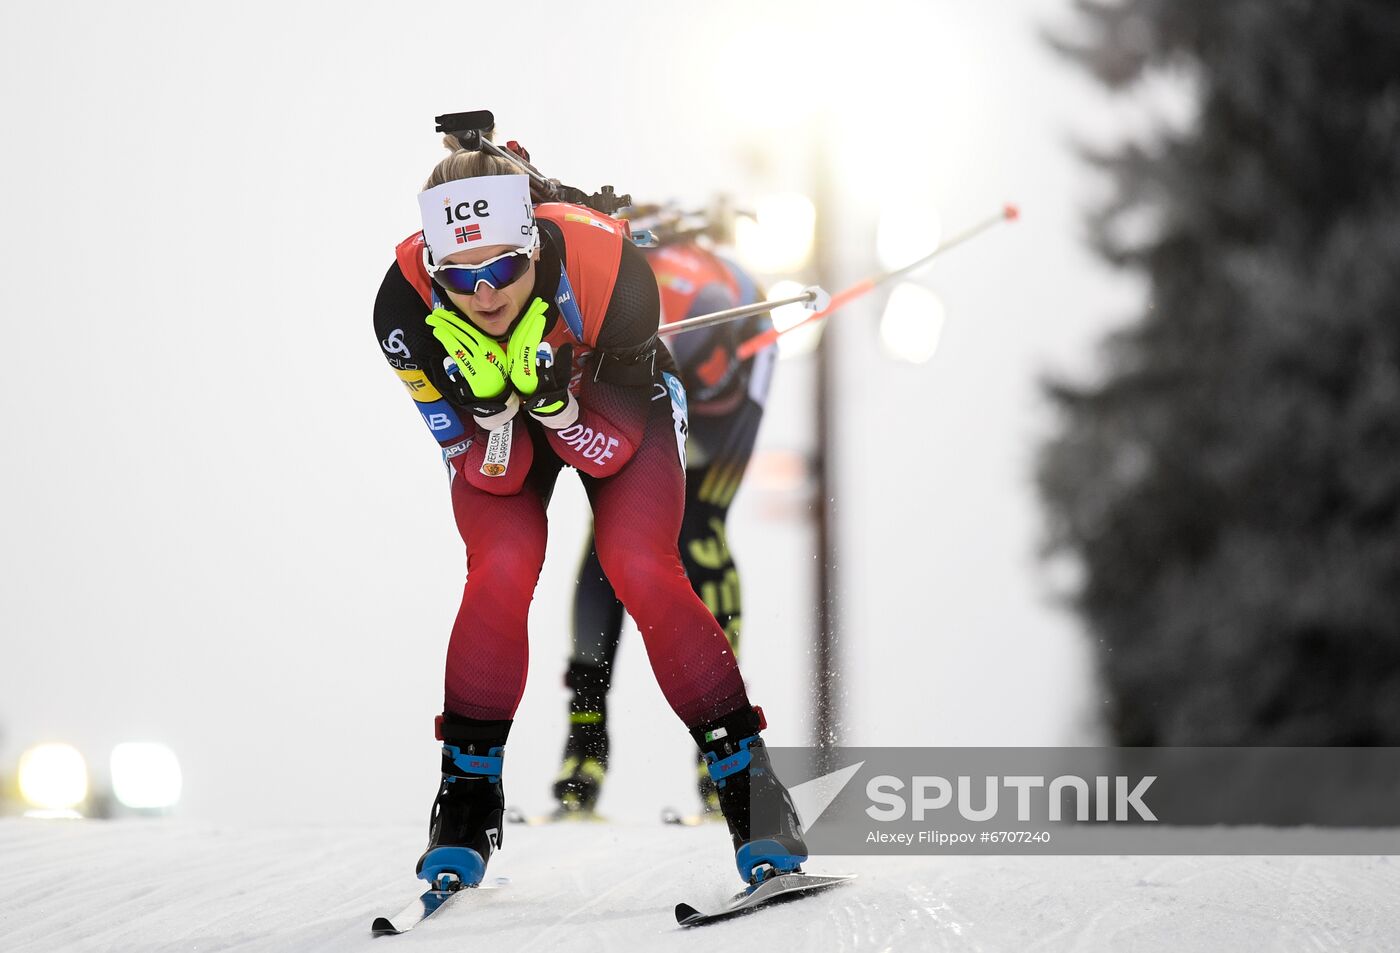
(465, 829)
(763, 822)
(579, 783)
(709, 792)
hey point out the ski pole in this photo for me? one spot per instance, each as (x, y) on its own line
(746, 350)
(813, 296)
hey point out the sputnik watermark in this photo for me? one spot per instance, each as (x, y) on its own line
(1095, 800)
(944, 839)
(932, 794)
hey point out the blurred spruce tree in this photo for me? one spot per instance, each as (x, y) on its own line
(1231, 484)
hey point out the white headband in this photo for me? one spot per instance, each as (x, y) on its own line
(476, 212)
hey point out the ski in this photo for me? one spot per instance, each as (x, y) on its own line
(424, 907)
(779, 887)
(669, 815)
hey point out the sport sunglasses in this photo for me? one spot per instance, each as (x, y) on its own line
(497, 273)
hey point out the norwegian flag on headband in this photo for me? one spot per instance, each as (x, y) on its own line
(471, 233)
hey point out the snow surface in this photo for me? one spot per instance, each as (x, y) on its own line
(154, 886)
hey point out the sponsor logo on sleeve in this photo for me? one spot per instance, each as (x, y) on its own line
(419, 387)
(442, 420)
(393, 344)
(567, 304)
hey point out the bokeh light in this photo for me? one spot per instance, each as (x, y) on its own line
(53, 777)
(912, 323)
(146, 775)
(778, 239)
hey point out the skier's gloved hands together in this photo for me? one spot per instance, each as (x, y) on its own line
(540, 375)
(483, 370)
(493, 381)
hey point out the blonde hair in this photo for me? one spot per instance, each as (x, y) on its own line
(463, 164)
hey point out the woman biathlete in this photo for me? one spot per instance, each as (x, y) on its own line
(527, 338)
(726, 397)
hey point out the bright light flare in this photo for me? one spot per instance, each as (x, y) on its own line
(904, 235)
(53, 778)
(779, 238)
(146, 775)
(912, 323)
(794, 343)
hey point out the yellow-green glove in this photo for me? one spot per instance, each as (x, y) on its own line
(523, 348)
(482, 362)
(482, 366)
(541, 377)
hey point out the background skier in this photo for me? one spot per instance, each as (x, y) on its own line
(725, 397)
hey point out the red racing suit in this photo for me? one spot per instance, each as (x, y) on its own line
(628, 446)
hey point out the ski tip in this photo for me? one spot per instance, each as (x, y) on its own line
(382, 927)
(684, 912)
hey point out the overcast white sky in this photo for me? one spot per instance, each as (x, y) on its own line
(225, 527)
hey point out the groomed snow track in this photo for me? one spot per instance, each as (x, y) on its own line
(156, 886)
